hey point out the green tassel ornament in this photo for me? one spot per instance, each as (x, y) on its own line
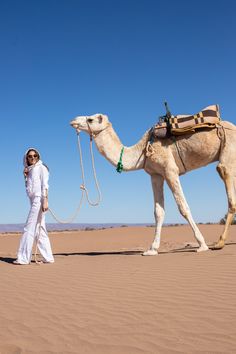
(119, 167)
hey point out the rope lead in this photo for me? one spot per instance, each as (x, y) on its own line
(82, 186)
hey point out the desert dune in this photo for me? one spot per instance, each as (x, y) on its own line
(101, 296)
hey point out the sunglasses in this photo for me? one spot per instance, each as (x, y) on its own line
(32, 156)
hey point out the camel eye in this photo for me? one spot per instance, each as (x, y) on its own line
(90, 120)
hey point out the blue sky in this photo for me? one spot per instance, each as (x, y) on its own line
(64, 58)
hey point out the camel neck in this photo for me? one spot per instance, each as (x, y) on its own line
(110, 146)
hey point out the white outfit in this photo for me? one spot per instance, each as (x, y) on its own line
(35, 228)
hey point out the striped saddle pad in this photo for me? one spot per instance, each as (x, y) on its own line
(209, 117)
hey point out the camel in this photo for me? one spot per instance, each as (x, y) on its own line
(166, 160)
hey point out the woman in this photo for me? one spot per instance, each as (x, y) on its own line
(36, 181)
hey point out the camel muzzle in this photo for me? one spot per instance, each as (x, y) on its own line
(75, 125)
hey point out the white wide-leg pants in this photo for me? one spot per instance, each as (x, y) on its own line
(35, 230)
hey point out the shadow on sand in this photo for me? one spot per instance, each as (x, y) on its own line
(190, 248)
(101, 253)
(7, 259)
(186, 249)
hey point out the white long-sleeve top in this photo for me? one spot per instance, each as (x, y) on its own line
(37, 180)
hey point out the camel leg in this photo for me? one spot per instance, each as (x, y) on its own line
(159, 213)
(230, 190)
(175, 186)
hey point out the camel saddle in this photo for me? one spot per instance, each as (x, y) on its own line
(169, 125)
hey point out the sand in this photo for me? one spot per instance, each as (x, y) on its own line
(102, 296)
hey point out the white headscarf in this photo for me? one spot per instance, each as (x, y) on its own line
(25, 162)
(30, 167)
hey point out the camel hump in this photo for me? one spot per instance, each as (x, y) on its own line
(228, 125)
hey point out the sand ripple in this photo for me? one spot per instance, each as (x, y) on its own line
(177, 302)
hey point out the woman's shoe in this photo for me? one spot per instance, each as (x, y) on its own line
(16, 262)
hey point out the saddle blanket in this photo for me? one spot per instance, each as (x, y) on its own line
(209, 117)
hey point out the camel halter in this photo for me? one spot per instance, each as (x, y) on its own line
(92, 134)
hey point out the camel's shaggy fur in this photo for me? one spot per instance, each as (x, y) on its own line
(165, 160)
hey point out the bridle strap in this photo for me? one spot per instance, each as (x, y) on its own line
(92, 134)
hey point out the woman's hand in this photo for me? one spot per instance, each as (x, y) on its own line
(25, 171)
(45, 204)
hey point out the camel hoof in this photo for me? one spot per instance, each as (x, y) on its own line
(203, 248)
(218, 246)
(150, 252)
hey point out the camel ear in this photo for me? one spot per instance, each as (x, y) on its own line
(100, 119)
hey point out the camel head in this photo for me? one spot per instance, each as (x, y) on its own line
(91, 124)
